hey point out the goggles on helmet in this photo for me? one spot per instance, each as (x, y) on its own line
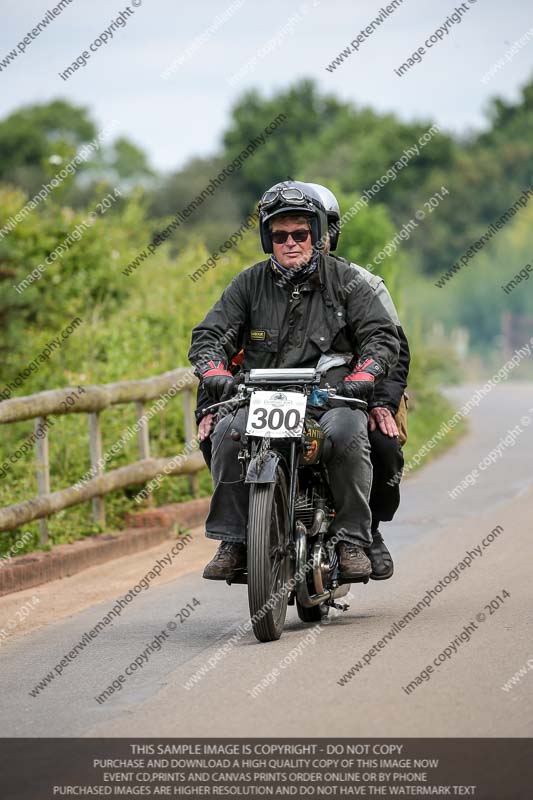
(291, 194)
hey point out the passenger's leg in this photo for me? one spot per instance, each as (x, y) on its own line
(387, 461)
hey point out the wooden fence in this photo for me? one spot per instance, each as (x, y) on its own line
(92, 401)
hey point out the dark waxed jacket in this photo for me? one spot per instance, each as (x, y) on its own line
(337, 311)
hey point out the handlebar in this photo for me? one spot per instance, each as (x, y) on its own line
(328, 392)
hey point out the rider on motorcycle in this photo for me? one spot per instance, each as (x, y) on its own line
(291, 310)
(386, 408)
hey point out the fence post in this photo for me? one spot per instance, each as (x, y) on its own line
(190, 424)
(144, 441)
(95, 444)
(143, 435)
(43, 468)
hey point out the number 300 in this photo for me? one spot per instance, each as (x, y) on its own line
(276, 419)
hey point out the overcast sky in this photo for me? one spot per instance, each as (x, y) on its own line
(185, 114)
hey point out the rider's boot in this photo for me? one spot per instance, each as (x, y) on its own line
(353, 563)
(380, 558)
(228, 559)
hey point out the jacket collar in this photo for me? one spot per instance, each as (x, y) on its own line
(315, 281)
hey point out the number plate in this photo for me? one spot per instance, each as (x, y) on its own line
(276, 414)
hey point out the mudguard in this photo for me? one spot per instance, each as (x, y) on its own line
(262, 468)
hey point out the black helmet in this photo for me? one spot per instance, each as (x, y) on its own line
(292, 197)
(333, 212)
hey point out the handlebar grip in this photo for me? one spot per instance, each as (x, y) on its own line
(227, 394)
(361, 403)
(238, 378)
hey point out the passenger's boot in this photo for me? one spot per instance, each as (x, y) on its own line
(380, 558)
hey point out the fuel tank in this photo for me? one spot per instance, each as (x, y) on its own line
(313, 442)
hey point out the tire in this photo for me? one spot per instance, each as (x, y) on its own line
(268, 575)
(313, 614)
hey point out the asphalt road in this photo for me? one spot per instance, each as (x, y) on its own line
(462, 696)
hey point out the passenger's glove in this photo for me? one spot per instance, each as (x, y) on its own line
(359, 384)
(218, 381)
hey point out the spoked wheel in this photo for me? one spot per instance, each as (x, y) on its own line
(268, 558)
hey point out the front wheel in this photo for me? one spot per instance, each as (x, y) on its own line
(268, 557)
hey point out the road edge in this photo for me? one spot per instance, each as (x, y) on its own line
(145, 529)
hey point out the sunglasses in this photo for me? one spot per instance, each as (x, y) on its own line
(299, 235)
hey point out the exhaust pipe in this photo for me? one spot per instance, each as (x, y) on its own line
(302, 592)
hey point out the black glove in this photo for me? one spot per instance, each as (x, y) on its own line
(359, 384)
(218, 381)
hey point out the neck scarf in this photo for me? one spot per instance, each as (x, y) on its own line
(295, 274)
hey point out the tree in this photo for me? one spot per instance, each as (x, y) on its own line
(33, 137)
(305, 114)
(488, 173)
(129, 162)
(323, 139)
(37, 141)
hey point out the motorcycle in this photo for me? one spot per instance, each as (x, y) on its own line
(290, 557)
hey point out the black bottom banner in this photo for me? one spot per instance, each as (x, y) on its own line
(486, 769)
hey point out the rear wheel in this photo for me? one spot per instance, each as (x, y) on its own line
(312, 614)
(268, 557)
